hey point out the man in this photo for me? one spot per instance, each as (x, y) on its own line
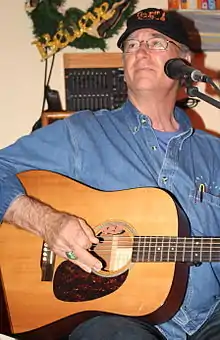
(146, 142)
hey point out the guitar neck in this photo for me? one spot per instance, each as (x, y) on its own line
(175, 249)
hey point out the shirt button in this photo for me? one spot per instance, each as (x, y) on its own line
(164, 179)
(143, 121)
(154, 148)
(135, 129)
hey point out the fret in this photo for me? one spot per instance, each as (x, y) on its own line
(210, 251)
(184, 249)
(162, 249)
(144, 249)
(155, 250)
(138, 249)
(168, 251)
(159, 248)
(175, 253)
(192, 250)
(149, 250)
(201, 247)
(172, 250)
(197, 251)
(179, 253)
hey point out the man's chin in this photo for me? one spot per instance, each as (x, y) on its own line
(147, 85)
(145, 80)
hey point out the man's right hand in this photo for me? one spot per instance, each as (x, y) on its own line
(72, 234)
(61, 231)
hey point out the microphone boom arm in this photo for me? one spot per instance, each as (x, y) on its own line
(193, 91)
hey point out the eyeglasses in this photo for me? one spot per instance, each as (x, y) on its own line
(156, 44)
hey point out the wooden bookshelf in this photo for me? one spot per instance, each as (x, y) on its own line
(103, 59)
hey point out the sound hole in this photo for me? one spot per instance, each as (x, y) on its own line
(115, 247)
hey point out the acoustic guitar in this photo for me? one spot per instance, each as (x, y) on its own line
(144, 246)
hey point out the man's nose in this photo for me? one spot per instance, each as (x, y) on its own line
(144, 48)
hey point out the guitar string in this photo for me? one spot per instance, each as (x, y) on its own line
(141, 248)
(216, 246)
(173, 256)
(166, 236)
(171, 243)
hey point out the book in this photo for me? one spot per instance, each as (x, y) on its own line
(192, 4)
(173, 4)
(184, 4)
(202, 4)
(211, 4)
(217, 4)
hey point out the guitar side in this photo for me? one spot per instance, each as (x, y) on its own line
(152, 290)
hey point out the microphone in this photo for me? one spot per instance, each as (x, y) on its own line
(178, 68)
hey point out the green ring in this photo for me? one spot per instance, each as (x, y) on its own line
(71, 255)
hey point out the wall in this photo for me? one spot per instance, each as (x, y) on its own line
(22, 72)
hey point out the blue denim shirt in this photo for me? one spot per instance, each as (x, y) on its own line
(113, 150)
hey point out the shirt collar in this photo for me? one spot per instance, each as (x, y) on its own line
(135, 118)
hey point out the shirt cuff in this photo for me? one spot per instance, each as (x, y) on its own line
(10, 189)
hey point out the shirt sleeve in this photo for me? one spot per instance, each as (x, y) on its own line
(51, 148)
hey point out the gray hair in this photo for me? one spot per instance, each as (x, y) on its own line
(185, 50)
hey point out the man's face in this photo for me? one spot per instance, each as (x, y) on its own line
(144, 68)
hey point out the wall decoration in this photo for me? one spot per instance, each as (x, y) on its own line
(55, 28)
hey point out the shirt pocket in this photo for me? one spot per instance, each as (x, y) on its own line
(204, 213)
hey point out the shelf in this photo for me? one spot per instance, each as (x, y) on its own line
(201, 11)
(207, 22)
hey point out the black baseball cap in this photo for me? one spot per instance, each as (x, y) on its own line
(169, 23)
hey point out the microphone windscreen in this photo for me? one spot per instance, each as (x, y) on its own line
(173, 67)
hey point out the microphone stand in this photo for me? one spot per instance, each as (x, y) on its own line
(193, 91)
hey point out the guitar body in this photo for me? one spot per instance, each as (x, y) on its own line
(153, 291)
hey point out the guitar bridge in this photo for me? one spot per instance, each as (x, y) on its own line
(47, 263)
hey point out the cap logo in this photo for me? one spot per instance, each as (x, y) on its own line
(152, 15)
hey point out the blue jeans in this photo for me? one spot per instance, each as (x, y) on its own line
(123, 328)
(115, 327)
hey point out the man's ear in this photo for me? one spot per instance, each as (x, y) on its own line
(188, 57)
(123, 65)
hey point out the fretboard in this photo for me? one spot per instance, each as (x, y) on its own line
(175, 249)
